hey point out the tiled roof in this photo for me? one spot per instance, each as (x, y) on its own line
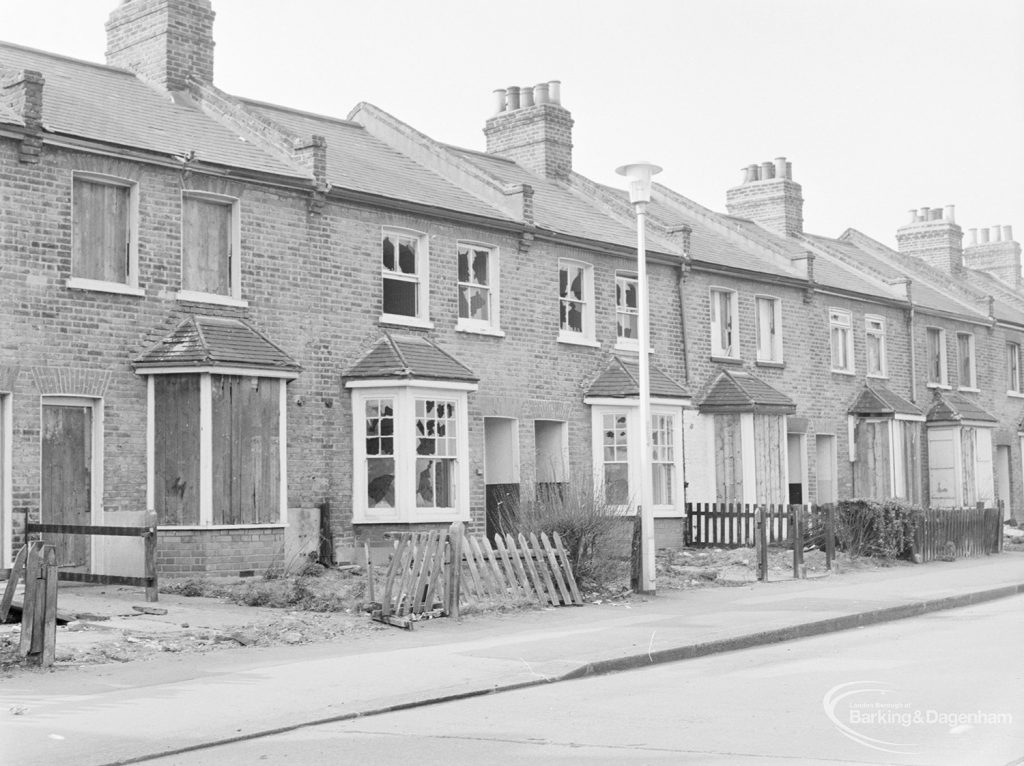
(621, 379)
(742, 392)
(360, 162)
(112, 105)
(410, 357)
(202, 341)
(877, 400)
(954, 407)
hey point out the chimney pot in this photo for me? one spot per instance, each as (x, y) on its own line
(974, 236)
(513, 98)
(997, 234)
(780, 167)
(950, 214)
(525, 97)
(984, 236)
(913, 216)
(936, 214)
(499, 100)
(789, 170)
(924, 214)
(555, 91)
(767, 171)
(540, 93)
(1008, 234)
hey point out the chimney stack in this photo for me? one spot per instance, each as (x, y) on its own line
(769, 197)
(532, 128)
(163, 41)
(997, 254)
(933, 236)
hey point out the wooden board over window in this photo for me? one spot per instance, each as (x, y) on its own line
(770, 439)
(728, 459)
(206, 246)
(100, 225)
(246, 450)
(873, 470)
(177, 449)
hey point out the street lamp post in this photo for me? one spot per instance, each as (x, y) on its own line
(639, 176)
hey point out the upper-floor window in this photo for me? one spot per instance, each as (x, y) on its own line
(479, 304)
(724, 321)
(627, 318)
(576, 301)
(768, 318)
(840, 324)
(965, 360)
(874, 343)
(104, 218)
(404, 277)
(210, 266)
(1014, 383)
(936, 350)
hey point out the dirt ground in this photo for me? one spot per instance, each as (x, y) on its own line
(325, 604)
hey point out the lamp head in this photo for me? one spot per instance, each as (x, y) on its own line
(639, 176)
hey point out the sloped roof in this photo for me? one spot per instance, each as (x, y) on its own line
(358, 161)
(409, 357)
(204, 341)
(954, 407)
(621, 379)
(877, 400)
(111, 105)
(742, 392)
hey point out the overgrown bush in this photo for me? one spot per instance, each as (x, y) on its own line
(883, 528)
(585, 523)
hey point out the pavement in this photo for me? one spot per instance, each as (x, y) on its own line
(125, 713)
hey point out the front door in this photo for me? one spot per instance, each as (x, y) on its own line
(66, 488)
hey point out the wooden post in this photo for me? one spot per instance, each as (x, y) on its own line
(635, 554)
(761, 542)
(150, 555)
(370, 595)
(798, 539)
(454, 569)
(830, 535)
(48, 589)
(29, 607)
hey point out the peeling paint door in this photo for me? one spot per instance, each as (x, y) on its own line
(66, 478)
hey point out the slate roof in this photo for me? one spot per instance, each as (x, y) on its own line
(954, 407)
(742, 392)
(621, 380)
(358, 161)
(877, 400)
(113, 106)
(409, 357)
(204, 341)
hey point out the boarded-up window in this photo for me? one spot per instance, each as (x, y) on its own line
(176, 466)
(101, 220)
(206, 245)
(967, 450)
(770, 456)
(246, 450)
(910, 457)
(872, 472)
(728, 459)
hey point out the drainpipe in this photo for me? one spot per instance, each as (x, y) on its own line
(681, 268)
(913, 355)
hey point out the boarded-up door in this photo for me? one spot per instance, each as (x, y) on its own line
(66, 478)
(873, 469)
(942, 468)
(728, 459)
(1002, 479)
(501, 473)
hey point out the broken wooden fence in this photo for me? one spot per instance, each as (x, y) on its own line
(37, 563)
(436, 573)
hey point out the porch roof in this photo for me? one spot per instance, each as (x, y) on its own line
(621, 379)
(207, 341)
(742, 392)
(956, 408)
(409, 357)
(877, 400)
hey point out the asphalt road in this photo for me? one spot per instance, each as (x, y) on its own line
(945, 688)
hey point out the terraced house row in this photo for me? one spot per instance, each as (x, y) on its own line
(246, 317)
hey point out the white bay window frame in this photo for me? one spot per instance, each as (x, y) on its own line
(404, 395)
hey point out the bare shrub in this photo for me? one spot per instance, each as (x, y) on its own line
(883, 528)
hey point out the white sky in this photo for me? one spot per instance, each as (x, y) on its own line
(881, 105)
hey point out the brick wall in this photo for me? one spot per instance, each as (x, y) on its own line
(537, 137)
(237, 552)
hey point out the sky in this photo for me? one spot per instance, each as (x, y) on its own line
(881, 105)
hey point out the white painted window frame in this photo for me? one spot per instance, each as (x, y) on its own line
(492, 325)
(1014, 385)
(717, 349)
(234, 296)
(586, 336)
(6, 476)
(769, 343)
(972, 384)
(422, 280)
(622, 280)
(131, 285)
(943, 362)
(874, 327)
(404, 394)
(206, 441)
(840, 323)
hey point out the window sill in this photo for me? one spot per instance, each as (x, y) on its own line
(877, 376)
(941, 386)
(577, 340)
(211, 298)
(479, 330)
(726, 359)
(397, 319)
(1015, 394)
(847, 373)
(364, 517)
(771, 364)
(632, 346)
(969, 389)
(101, 286)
